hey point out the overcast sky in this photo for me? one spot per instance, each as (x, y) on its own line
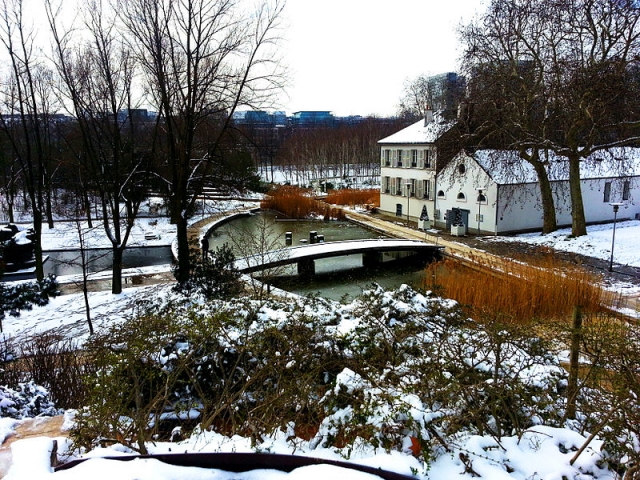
(352, 56)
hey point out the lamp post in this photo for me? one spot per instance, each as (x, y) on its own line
(615, 206)
(480, 200)
(408, 185)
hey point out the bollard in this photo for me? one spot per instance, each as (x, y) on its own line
(288, 238)
(313, 236)
(320, 238)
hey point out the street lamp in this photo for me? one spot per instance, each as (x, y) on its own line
(408, 185)
(615, 206)
(481, 198)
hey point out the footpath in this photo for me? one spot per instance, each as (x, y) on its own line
(455, 249)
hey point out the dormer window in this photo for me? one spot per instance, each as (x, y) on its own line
(462, 168)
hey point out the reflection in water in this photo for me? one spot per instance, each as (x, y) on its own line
(335, 277)
(69, 262)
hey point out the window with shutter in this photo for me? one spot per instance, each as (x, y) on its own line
(625, 190)
(607, 192)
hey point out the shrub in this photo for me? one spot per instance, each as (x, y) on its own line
(48, 360)
(212, 275)
(26, 400)
(389, 369)
(23, 296)
(225, 370)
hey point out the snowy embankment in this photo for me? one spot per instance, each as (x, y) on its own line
(395, 410)
(597, 243)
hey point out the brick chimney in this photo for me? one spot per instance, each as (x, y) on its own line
(428, 116)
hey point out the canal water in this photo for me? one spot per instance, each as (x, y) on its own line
(69, 262)
(336, 278)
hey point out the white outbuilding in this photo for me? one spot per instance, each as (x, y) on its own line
(496, 192)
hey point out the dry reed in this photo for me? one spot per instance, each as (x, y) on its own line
(295, 202)
(352, 197)
(519, 292)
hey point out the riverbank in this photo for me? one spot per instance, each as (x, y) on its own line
(470, 249)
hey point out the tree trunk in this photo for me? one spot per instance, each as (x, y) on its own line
(182, 271)
(87, 208)
(37, 244)
(10, 211)
(48, 209)
(578, 222)
(549, 223)
(116, 276)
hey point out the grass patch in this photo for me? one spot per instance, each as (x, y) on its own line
(295, 202)
(545, 289)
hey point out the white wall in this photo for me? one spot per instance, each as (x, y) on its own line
(453, 183)
(407, 174)
(513, 208)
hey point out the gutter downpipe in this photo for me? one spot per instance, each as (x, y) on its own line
(497, 207)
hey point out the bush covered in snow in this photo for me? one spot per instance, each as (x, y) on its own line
(27, 400)
(22, 296)
(395, 370)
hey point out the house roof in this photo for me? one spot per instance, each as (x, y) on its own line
(505, 167)
(419, 133)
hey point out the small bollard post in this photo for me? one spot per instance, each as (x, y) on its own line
(313, 236)
(320, 238)
(288, 238)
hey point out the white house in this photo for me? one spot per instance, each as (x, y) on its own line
(408, 168)
(494, 191)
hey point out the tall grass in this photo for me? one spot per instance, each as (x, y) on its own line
(519, 292)
(295, 202)
(353, 197)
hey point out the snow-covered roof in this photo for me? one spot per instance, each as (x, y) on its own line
(506, 167)
(419, 132)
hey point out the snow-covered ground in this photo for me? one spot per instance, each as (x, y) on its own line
(541, 453)
(597, 243)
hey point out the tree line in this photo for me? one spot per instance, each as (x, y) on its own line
(191, 62)
(547, 79)
(347, 150)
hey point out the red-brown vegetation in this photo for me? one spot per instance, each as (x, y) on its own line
(295, 202)
(353, 197)
(509, 289)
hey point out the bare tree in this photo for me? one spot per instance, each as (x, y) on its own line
(27, 120)
(202, 59)
(97, 75)
(440, 93)
(507, 90)
(581, 59)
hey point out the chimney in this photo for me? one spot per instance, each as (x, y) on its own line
(428, 116)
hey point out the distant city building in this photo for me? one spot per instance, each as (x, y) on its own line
(303, 118)
(313, 118)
